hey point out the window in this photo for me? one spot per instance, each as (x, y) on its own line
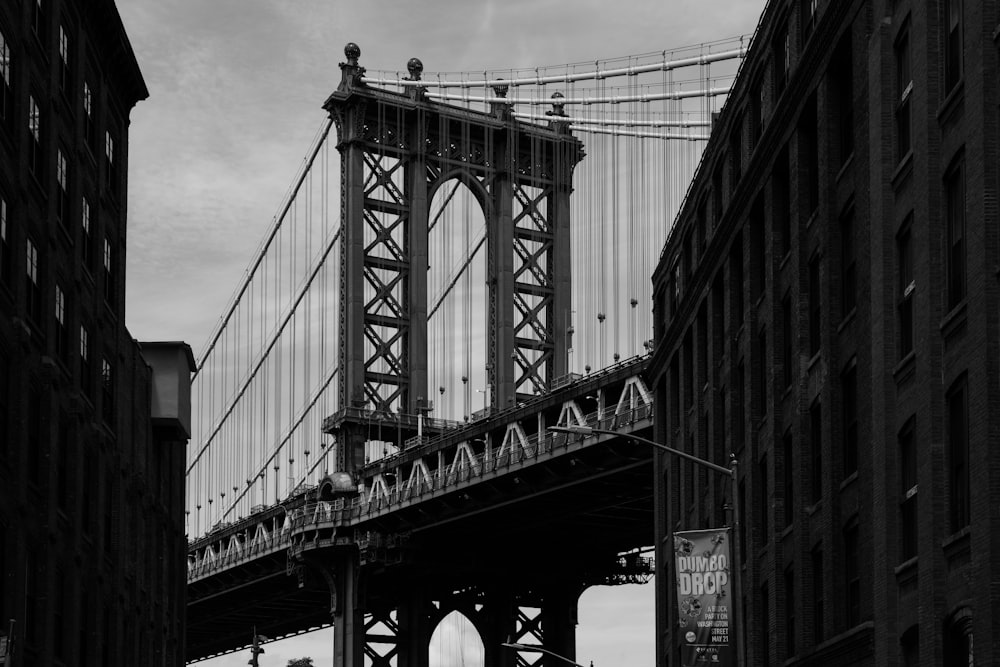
(111, 163)
(109, 273)
(65, 73)
(765, 624)
(905, 288)
(59, 615)
(809, 14)
(815, 306)
(958, 456)
(5, 419)
(739, 422)
(33, 287)
(62, 179)
(904, 91)
(736, 152)
(63, 465)
(781, 55)
(908, 530)
(107, 392)
(85, 367)
(842, 75)
(789, 611)
(809, 155)
(909, 647)
(782, 202)
(6, 83)
(88, 116)
(688, 369)
(6, 260)
(61, 327)
(852, 576)
(86, 235)
(38, 20)
(758, 249)
(816, 558)
(756, 114)
(736, 282)
(788, 457)
(761, 374)
(849, 409)
(848, 265)
(764, 508)
(958, 645)
(34, 138)
(35, 441)
(717, 193)
(954, 186)
(952, 44)
(816, 450)
(787, 343)
(675, 391)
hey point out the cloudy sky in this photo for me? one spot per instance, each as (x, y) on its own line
(236, 88)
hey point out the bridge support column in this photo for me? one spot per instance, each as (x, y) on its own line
(348, 617)
(500, 613)
(559, 620)
(415, 630)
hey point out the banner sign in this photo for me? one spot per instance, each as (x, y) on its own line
(704, 598)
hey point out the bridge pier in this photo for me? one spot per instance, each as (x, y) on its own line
(348, 616)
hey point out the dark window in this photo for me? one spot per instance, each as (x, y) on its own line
(849, 416)
(38, 20)
(958, 645)
(61, 326)
(789, 611)
(718, 317)
(909, 647)
(781, 53)
(108, 392)
(703, 339)
(782, 213)
(88, 117)
(59, 615)
(815, 305)
(62, 182)
(86, 370)
(848, 265)
(955, 201)
(905, 289)
(736, 282)
(35, 440)
(852, 576)
(63, 465)
(65, 71)
(818, 593)
(758, 250)
(816, 450)
(675, 391)
(34, 138)
(739, 425)
(701, 224)
(86, 629)
(788, 456)
(808, 16)
(742, 491)
(6, 84)
(908, 529)
(86, 235)
(688, 370)
(110, 162)
(809, 154)
(787, 341)
(5, 416)
(756, 114)
(843, 86)
(717, 194)
(6, 243)
(904, 91)
(958, 456)
(33, 287)
(765, 624)
(736, 152)
(764, 509)
(109, 273)
(761, 374)
(952, 44)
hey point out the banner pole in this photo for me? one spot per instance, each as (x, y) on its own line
(737, 565)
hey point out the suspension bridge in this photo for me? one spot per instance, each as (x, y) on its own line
(371, 446)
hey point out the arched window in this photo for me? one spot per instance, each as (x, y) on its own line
(909, 647)
(958, 645)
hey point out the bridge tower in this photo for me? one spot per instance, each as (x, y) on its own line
(396, 150)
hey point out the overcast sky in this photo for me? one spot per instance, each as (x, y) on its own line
(236, 88)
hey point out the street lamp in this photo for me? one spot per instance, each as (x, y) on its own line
(539, 649)
(730, 472)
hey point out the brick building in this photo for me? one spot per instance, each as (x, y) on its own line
(827, 308)
(93, 426)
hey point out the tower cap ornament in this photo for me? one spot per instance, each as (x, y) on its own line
(415, 68)
(558, 104)
(353, 52)
(500, 88)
